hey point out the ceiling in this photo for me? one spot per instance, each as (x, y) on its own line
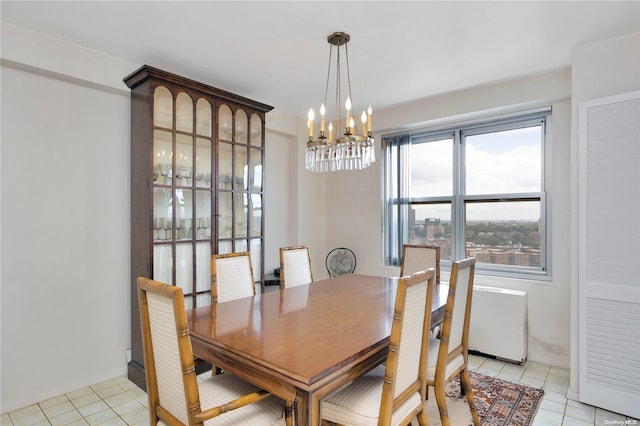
(277, 53)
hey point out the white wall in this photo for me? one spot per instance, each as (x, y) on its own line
(277, 203)
(65, 218)
(65, 232)
(599, 69)
(354, 198)
(295, 213)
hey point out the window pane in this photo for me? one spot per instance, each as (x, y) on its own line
(431, 168)
(503, 233)
(184, 160)
(504, 162)
(203, 163)
(184, 267)
(240, 210)
(224, 122)
(184, 113)
(162, 263)
(203, 267)
(255, 217)
(162, 108)
(431, 224)
(203, 117)
(203, 215)
(184, 214)
(224, 165)
(241, 127)
(256, 130)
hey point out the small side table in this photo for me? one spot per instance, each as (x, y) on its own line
(271, 279)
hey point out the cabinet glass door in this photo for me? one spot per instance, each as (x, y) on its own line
(182, 193)
(240, 184)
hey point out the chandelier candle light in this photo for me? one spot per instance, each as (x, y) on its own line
(351, 151)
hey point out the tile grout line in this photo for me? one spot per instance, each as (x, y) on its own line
(492, 367)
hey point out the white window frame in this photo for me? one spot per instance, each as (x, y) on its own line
(392, 241)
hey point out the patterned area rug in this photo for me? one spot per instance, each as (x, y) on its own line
(499, 403)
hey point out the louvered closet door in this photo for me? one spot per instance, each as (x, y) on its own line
(609, 253)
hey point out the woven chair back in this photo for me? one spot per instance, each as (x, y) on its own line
(416, 258)
(231, 277)
(405, 374)
(295, 266)
(169, 362)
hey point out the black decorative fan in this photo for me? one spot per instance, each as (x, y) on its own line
(340, 261)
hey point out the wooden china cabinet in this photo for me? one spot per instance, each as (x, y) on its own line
(196, 186)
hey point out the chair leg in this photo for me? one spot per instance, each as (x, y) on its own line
(423, 419)
(288, 413)
(441, 399)
(465, 382)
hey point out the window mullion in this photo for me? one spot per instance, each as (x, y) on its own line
(457, 206)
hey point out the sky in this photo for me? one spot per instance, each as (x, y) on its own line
(497, 163)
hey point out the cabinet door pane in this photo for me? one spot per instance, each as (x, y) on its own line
(162, 108)
(184, 113)
(224, 247)
(203, 117)
(188, 302)
(203, 163)
(162, 263)
(162, 214)
(256, 258)
(240, 209)
(203, 299)
(241, 127)
(162, 157)
(224, 165)
(184, 214)
(184, 267)
(203, 266)
(255, 225)
(241, 169)
(255, 170)
(241, 245)
(203, 215)
(184, 160)
(225, 123)
(226, 214)
(256, 130)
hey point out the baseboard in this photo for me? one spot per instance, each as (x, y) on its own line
(135, 373)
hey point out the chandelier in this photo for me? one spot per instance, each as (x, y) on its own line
(331, 151)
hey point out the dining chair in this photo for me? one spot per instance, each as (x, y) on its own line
(340, 261)
(176, 396)
(231, 277)
(295, 266)
(394, 392)
(448, 354)
(420, 258)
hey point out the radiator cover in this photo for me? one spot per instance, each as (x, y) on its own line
(499, 323)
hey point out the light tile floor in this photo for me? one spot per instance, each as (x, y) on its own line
(119, 402)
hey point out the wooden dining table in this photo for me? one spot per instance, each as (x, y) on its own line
(303, 342)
